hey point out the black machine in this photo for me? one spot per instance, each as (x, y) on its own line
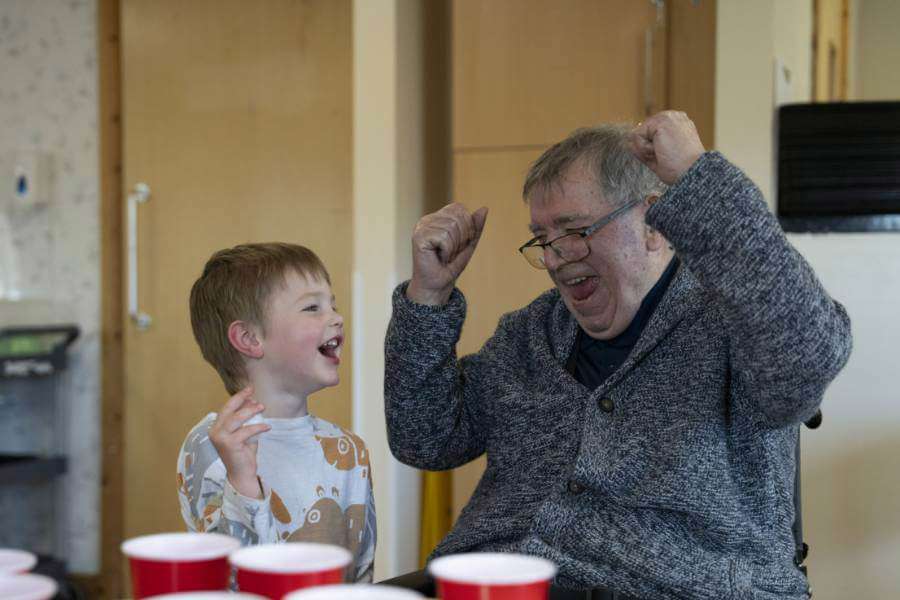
(839, 167)
(32, 453)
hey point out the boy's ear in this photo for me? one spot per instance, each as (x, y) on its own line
(244, 339)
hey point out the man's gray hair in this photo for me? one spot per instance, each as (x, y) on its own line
(620, 175)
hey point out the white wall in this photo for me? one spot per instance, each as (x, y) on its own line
(744, 88)
(850, 480)
(793, 19)
(49, 104)
(388, 196)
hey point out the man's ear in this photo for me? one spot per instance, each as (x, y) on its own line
(654, 239)
(244, 339)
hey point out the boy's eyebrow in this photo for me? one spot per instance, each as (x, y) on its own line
(303, 297)
(560, 220)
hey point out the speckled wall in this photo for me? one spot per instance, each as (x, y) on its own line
(48, 112)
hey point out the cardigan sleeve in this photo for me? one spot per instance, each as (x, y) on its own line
(438, 407)
(788, 336)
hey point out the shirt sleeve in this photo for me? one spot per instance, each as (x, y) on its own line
(209, 503)
(365, 566)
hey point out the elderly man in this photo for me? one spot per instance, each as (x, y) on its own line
(640, 419)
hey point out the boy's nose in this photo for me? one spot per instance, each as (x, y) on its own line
(337, 320)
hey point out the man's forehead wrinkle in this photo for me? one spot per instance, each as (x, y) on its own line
(564, 219)
(557, 189)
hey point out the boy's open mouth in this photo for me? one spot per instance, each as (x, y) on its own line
(331, 347)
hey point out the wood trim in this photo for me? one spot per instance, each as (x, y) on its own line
(111, 301)
(437, 17)
(814, 80)
(831, 50)
(845, 49)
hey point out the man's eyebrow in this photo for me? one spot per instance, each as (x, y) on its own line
(560, 220)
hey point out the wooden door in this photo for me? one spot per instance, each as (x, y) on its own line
(238, 116)
(525, 74)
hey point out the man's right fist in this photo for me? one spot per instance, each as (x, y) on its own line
(442, 244)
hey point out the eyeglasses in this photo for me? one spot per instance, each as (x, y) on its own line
(570, 247)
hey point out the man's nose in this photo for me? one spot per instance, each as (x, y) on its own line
(552, 260)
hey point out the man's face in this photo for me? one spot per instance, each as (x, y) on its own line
(603, 290)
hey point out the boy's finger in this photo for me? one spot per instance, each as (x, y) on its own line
(236, 401)
(248, 431)
(240, 417)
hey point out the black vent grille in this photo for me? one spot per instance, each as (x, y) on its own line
(839, 160)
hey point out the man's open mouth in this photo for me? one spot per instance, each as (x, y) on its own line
(581, 288)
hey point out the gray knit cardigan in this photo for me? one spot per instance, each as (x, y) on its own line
(674, 478)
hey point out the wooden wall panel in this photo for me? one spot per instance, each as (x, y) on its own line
(527, 72)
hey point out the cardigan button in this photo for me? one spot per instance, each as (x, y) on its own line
(574, 487)
(606, 405)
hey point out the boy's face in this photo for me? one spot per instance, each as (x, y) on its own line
(304, 335)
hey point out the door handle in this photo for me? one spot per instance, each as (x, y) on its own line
(139, 195)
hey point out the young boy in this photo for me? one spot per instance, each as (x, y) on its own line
(264, 317)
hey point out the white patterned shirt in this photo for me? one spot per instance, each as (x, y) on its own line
(317, 483)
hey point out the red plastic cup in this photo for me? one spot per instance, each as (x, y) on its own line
(354, 592)
(492, 576)
(27, 587)
(274, 570)
(178, 562)
(16, 561)
(206, 596)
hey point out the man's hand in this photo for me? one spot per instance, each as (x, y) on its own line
(231, 439)
(442, 244)
(668, 143)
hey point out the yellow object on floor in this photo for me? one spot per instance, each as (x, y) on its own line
(437, 518)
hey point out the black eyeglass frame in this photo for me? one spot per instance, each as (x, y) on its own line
(590, 230)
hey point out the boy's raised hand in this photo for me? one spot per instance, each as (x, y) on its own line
(233, 442)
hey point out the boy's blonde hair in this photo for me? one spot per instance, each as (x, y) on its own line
(235, 286)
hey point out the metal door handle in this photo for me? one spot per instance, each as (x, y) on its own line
(139, 195)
